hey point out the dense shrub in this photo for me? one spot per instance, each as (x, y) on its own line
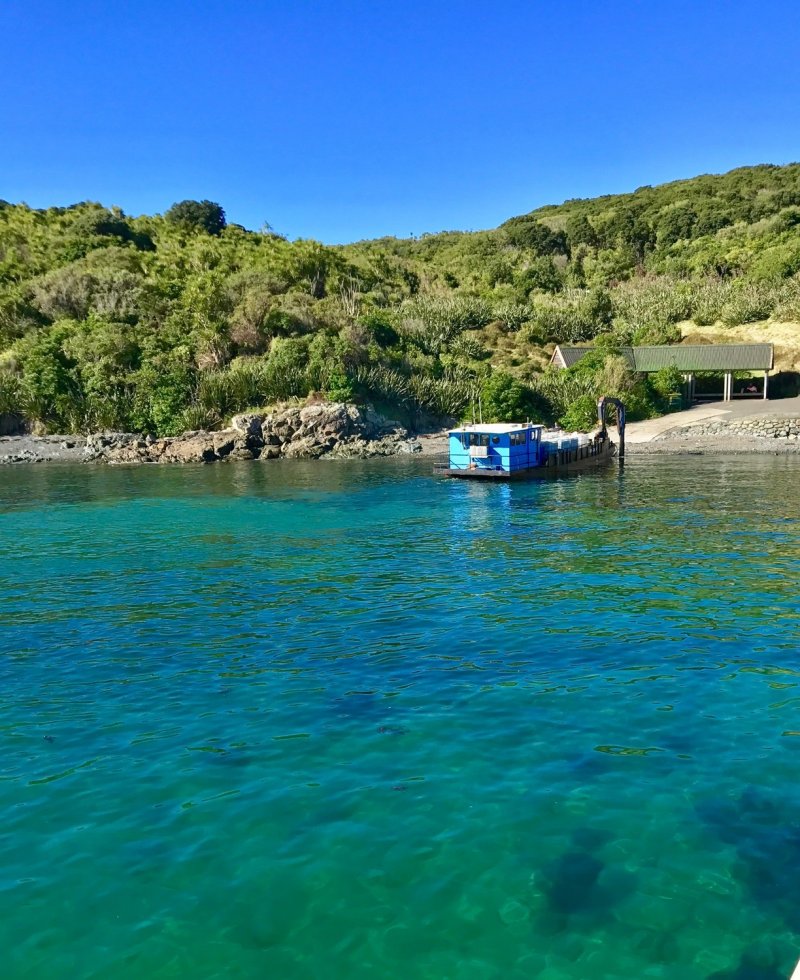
(667, 381)
(581, 414)
(657, 300)
(506, 399)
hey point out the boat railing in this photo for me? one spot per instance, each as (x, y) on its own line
(443, 462)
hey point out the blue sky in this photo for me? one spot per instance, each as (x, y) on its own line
(341, 121)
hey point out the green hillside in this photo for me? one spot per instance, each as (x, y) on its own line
(177, 321)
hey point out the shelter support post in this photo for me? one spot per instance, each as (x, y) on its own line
(766, 383)
(727, 393)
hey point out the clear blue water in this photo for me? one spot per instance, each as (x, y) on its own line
(343, 720)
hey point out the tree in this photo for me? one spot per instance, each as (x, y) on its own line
(676, 223)
(205, 215)
(598, 309)
(532, 234)
(50, 379)
(540, 274)
(580, 231)
(627, 227)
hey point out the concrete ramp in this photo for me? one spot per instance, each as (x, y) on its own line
(646, 431)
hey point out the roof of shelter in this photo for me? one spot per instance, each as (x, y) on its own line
(685, 357)
(704, 357)
(495, 427)
(567, 356)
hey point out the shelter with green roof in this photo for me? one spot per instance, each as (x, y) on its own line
(689, 359)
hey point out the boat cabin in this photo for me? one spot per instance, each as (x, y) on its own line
(499, 446)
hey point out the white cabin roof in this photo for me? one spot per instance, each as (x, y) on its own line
(499, 428)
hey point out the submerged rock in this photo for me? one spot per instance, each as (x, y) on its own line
(765, 832)
(572, 881)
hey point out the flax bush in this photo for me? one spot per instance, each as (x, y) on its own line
(10, 393)
(570, 317)
(661, 299)
(748, 302)
(708, 300)
(787, 307)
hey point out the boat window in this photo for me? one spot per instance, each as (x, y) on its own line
(478, 439)
(496, 440)
(517, 438)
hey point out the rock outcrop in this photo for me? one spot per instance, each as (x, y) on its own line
(329, 429)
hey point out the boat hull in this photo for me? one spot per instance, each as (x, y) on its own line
(560, 463)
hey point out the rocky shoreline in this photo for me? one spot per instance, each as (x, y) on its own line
(758, 426)
(773, 434)
(335, 430)
(710, 446)
(341, 430)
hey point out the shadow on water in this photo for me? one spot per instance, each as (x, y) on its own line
(755, 964)
(767, 841)
(581, 884)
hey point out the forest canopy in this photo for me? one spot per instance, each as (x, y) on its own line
(170, 322)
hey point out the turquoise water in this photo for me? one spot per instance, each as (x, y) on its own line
(342, 720)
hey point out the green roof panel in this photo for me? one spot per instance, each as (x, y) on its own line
(704, 357)
(687, 357)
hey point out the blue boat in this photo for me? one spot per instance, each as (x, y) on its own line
(513, 451)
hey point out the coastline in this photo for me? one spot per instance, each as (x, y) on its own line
(56, 449)
(341, 430)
